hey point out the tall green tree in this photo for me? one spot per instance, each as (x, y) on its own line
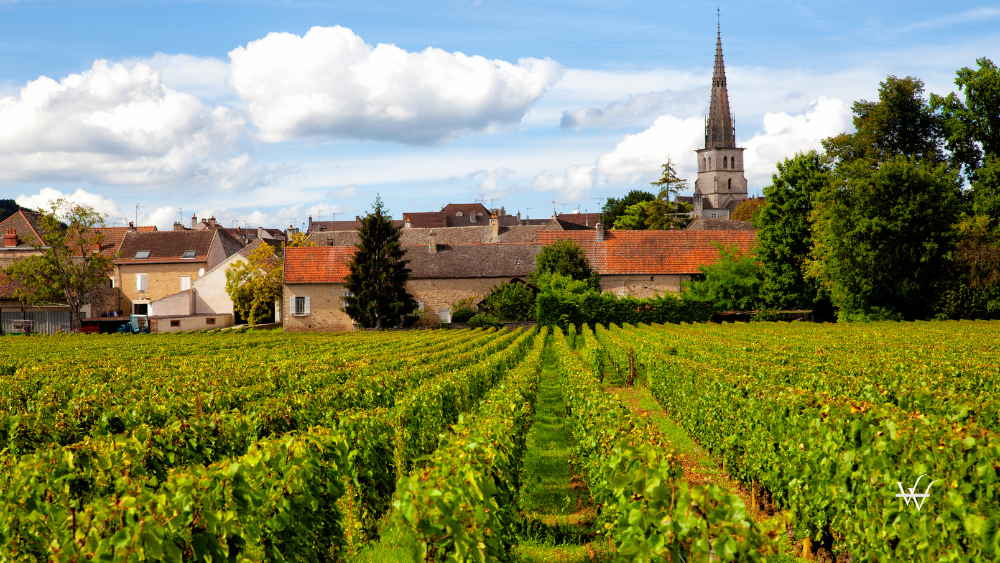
(615, 207)
(566, 258)
(256, 284)
(660, 212)
(784, 234)
(68, 268)
(901, 122)
(972, 126)
(379, 274)
(882, 237)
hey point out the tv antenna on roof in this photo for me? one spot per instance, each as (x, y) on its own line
(137, 206)
(554, 204)
(527, 213)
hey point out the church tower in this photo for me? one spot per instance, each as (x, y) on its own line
(721, 185)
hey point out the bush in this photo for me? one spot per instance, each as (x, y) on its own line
(484, 321)
(511, 302)
(462, 315)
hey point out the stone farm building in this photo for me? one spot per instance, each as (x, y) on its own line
(453, 263)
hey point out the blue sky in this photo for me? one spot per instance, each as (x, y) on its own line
(267, 112)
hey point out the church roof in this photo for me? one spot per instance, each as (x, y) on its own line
(719, 131)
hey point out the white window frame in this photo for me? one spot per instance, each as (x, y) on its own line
(300, 312)
(141, 282)
(445, 315)
(185, 283)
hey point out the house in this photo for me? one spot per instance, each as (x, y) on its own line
(154, 265)
(207, 300)
(21, 239)
(441, 275)
(648, 263)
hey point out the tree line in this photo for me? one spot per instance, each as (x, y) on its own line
(898, 220)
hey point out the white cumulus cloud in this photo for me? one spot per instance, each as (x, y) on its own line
(639, 157)
(571, 186)
(47, 195)
(784, 135)
(329, 82)
(114, 124)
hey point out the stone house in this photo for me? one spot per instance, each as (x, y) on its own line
(154, 265)
(442, 274)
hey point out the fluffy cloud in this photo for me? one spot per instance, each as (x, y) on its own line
(329, 82)
(640, 157)
(203, 77)
(636, 107)
(114, 124)
(572, 186)
(784, 135)
(46, 195)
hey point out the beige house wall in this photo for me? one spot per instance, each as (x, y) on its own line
(161, 280)
(186, 323)
(325, 308)
(210, 289)
(643, 285)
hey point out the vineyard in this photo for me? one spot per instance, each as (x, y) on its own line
(487, 445)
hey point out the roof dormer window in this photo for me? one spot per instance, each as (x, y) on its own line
(188, 255)
(458, 214)
(142, 255)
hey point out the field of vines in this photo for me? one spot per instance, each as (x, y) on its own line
(264, 446)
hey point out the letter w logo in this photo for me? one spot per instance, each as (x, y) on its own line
(917, 498)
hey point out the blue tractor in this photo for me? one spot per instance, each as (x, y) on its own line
(137, 324)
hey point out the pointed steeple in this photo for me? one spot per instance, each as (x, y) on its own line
(719, 131)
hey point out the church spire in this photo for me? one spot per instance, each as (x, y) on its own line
(719, 131)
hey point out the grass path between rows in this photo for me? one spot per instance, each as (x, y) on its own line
(557, 513)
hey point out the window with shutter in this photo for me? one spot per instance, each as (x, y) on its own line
(307, 305)
(185, 283)
(140, 282)
(299, 307)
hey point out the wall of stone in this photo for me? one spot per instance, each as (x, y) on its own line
(325, 308)
(161, 280)
(643, 286)
(440, 294)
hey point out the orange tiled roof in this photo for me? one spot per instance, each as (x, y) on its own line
(652, 252)
(317, 264)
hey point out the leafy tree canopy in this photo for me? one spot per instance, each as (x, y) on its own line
(299, 240)
(255, 285)
(379, 274)
(972, 127)
(784, 234)
(901, 122)
(615, 207)
(660, 212)
(881, 237)
(68, 269)
(748, 210)
(566, 258)
(730, 284)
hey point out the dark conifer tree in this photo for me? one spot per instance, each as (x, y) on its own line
(379, 274)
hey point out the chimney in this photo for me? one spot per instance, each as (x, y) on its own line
(600, 231)
(408, 223)
(519, 216)
(698, 205)
(260, 232)
(495, 224)
(211, 222)
(194, 221)
(10, 238)
(472, 217)
(130, 228)
(178, 226)
(503, 212)
(444, 221)
(432, 245)
(309, 228)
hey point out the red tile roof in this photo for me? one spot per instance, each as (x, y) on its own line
(317, 264)
(652, 252)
